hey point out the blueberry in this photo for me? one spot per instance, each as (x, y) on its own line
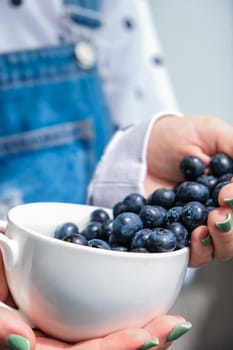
(92, 230)
(134, 202)
(76, 238)
(98, 243)
(194, 214)
(124, 226)
(209, 208)
(106, 229)
(208, 180)
(153, 216)
(216, 191)
(174, 214)
(221, 164)
(99, 215)
(189, 191)
(161, 240)
(118, 208)
(140, 239)
(181, 232)
(191, 167)
(210, 203)
(140, 250)
(119, 248)
(66, 229)
(163, 197)
(225, 177)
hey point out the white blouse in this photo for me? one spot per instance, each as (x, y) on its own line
(131, 64)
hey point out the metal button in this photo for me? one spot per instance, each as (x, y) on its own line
(86, 54)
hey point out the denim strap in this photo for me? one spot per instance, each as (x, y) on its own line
(84, 12)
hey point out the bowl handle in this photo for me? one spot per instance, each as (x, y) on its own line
(10, 255)
(9, 248)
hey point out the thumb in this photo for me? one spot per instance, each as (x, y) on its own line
(15, 334)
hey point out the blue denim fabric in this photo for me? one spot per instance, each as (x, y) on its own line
(54, 125)
(82, 17)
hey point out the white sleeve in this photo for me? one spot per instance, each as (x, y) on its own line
(122, 168)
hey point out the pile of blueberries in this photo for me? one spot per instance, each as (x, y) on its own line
(162, 222)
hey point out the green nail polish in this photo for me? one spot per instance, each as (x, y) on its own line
(229, 202)
(153, 342)
(206, 241)
(17, 342)
(179, 330)
(226, 225)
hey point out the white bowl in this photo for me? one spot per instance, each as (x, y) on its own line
(75, 292)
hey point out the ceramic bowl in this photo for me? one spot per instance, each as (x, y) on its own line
(76, 292)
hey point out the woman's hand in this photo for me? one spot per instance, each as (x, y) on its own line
(172, 138)
(160, 332)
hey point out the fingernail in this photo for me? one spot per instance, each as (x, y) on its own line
(206, 241)
(153, 342)
(179, 330)
(226, 225)
(229, 202)
(17, 342)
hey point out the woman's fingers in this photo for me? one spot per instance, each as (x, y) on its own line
(159, 333)
(3, 282)
(215, 241)
(220, 225)
(14, 332)
(167, 328)
(201, 247)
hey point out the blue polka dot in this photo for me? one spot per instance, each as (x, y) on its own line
(16, 2)
(157, 60)
(128, 23)
(138, 93)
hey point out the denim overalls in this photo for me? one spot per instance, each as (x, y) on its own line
(54, 119)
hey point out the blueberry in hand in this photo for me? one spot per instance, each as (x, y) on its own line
(124, 226)
(174, 214)
(181, 232)
(66, 229)
(225, 177)
(161, 240)
(194, 214)
(153, 216)
(216, 191)
(208, 180)
(99, 215)
(189, 191)
(221, 164)
(76, 238)
(140, 238)
(163, 197)
(134, 202)
(191, 167)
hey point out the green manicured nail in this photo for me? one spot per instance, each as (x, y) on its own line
(179, 330)
(206, 241)
(229, 202)
(153, 342)
(17, 342)
(226, 225)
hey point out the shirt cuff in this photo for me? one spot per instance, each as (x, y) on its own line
(123, 167)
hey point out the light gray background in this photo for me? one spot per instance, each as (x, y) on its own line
(197, 40)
